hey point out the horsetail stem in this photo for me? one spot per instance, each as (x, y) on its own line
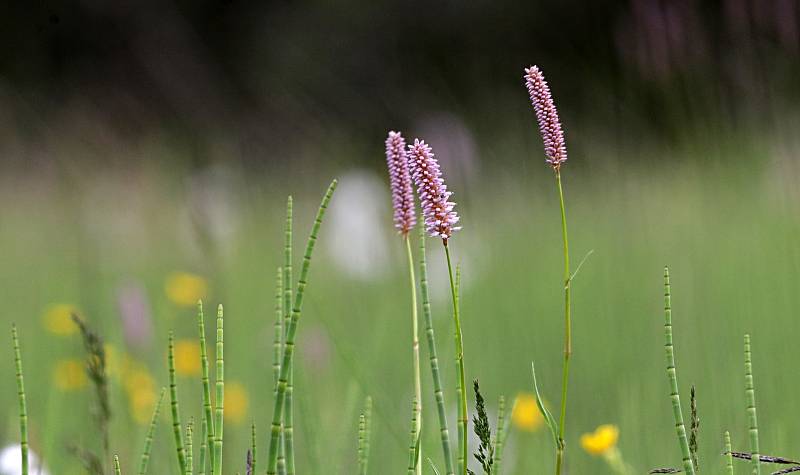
(367, 429)
(680, 429)
(362, 436)
(201, 469)
(176, 418)
(220, 395)
(750, 396)
(462, 393)
(253, 448)
(278, 339)
(434, 360)
(117, 470)
(148, 440)
(23, 406)
(415, 350)
(209, 417)
(189, 449)
(288, 416)
(499, 443)
(288, 352)
(413, 447)
(728, 454)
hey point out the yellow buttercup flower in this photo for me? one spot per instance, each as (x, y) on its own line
(236, 402)
(69, 375)
(187, 358)
(602, 440)
(185, 289)
(526, 415)
(57, 319)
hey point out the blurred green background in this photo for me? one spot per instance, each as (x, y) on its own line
(148, 149)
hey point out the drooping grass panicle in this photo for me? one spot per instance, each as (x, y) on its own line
(434, 359)
(728, 455)
(680, 428)
(480, 424)
(750, 397)
(437, 209)
(288, 416)
(219, 403)
(173, 397)
(288, 351)
(555, 149)
(189, 448)
(400, 182)
(148, 440)
(694, 427)
(413, 448)
(23, 406)
(207, 409)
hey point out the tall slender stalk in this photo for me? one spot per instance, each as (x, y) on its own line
(462, 392)
(288, 351)
(201, 469)
(23, 406)
(189, 448)
(362, 441)
(567, 329)
(499, 443)
(413, 447)
(750, 396)
(367, 430)
(219, 404)
(415, 351)
(280, 323)
(434, 360)
(176, 417)
(148, 440)
(728, 454)
(117, 470)
(288, 416)
(680, 428)
(253, 446)
(207, 410)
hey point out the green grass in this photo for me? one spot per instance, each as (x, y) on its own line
(728, 233)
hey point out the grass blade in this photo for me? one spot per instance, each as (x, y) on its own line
(23, 406)
(148, 440)
(548, 418)
(176, 417)
(288, 352)
(220, 395)
(434, 359)
(750, 396)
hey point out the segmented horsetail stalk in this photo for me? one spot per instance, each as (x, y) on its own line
(683, 442)
(207, 410)
(148, 440)
(362, 438)
(277, 342)
(288, 416)
(288, 351)
(117, 470)
(252, 457)
(176, 417)
(201, 469)
(434, 360)
(23, 406)
(219, 406)
(694, 427)
(728, 455)
(750, 396)
(367, 429)
(189, 448)
(499, 442)
(413, 448)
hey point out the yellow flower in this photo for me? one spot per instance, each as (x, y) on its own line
(142, 401)
(57, 319)
(603, 439)
(187, 358)
(185, 289)
(526, 415)
(236, 402)
(69, 375)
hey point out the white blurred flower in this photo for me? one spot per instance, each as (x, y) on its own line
(11, 462)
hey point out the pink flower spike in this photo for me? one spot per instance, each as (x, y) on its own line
(400, 181)
(437, 209)
(547, 115)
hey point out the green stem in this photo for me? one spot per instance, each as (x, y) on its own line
(434, 359)
(567, 330)
(189, 448)
(415, 351)
(23, 406)
(209, 413)
(462, 392)
(253, 446)
(148, 441)
(750, 396)
(176, 417)
(680, 428)
(288, 351)
(367, 429)
(728, 454)
(219, 408)
(117, 470)
(362, 436)
(288, 417)
(499, 443)
(413, 447)
(201, 470)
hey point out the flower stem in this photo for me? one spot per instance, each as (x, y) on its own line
(567, 330)
(462, 392)
(415, 353)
